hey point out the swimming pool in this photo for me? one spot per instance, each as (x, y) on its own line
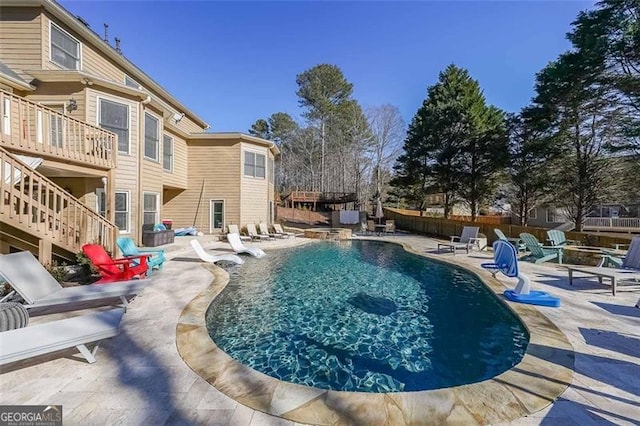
(364, 316)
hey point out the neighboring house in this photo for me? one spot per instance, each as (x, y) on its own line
(106, 138)
(434, 204)
(545, 217)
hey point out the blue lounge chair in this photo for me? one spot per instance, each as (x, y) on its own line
(128, 248)
(505, 260)
(539, 253)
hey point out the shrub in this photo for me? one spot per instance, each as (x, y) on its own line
(56, 270)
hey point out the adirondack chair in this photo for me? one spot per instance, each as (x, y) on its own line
(540, 254)
(128, 248)
(558, 239)
(517, 242)
(112, 270)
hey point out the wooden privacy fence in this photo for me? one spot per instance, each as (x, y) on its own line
(444, 228)
(490, 220)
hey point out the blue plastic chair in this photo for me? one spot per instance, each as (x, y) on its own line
(505, 260)
(128, 248)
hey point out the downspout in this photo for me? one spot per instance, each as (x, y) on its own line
(139, 214)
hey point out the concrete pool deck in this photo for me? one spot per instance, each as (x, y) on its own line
(141, 379)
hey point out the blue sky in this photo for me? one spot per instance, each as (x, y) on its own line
(234, 62)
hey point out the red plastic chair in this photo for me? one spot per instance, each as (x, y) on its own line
(113, 270)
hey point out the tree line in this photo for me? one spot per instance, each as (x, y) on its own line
(340, 146)
(575, 145)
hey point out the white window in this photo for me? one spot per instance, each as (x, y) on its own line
(128, 81)
(150, 208)
(6, 116)
(254, 164)
(121, 208)
(533, 213)
(151, 136)
(167, 153)
(65, 50)
(114, 117)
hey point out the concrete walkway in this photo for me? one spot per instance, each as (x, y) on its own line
(140, 378)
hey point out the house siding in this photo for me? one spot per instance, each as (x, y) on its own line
(178, 177)
(21, 35)
(214, 170)
(127, 170)
(254, 191)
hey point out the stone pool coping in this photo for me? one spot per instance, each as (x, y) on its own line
(544, 373)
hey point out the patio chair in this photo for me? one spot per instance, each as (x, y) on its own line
(371, 226)
(263, 229)
(238, 247)
(121, 269)
(253, 233)
(517, 242)
(278, 228)
(467, 239)
(505, 257)
(128, 248)
(38, 288)
(210, 258)
(389, 227)
(233, 229)
(628, 270)
(539, 253)
(558, 239)
(28, 342)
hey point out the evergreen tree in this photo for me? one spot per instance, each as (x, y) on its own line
(456, 143)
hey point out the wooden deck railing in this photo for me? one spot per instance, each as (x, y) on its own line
(604, 223)
(34, 204)
(34, 129)
(320, 197)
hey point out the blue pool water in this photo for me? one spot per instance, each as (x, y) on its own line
(364, 316)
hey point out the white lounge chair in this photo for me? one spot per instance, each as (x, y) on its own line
(253, 233)
(28, 342)
(263, 228)
(630, 269)
(278, 228)
(233, 229)
(210, 258)
(238, 247)
(468, 239)
(38, 288)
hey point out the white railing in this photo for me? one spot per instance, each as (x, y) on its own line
(31, 128)
(34, 204)
(612, 222)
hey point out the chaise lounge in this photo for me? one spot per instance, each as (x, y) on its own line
(238, 247)
(629, 270)
(467, 239)
(38, 288)
(28, 342)
(210, 258)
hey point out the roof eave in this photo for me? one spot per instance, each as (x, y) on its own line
(65, 16)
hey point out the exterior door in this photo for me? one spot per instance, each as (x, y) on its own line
(216, 210)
